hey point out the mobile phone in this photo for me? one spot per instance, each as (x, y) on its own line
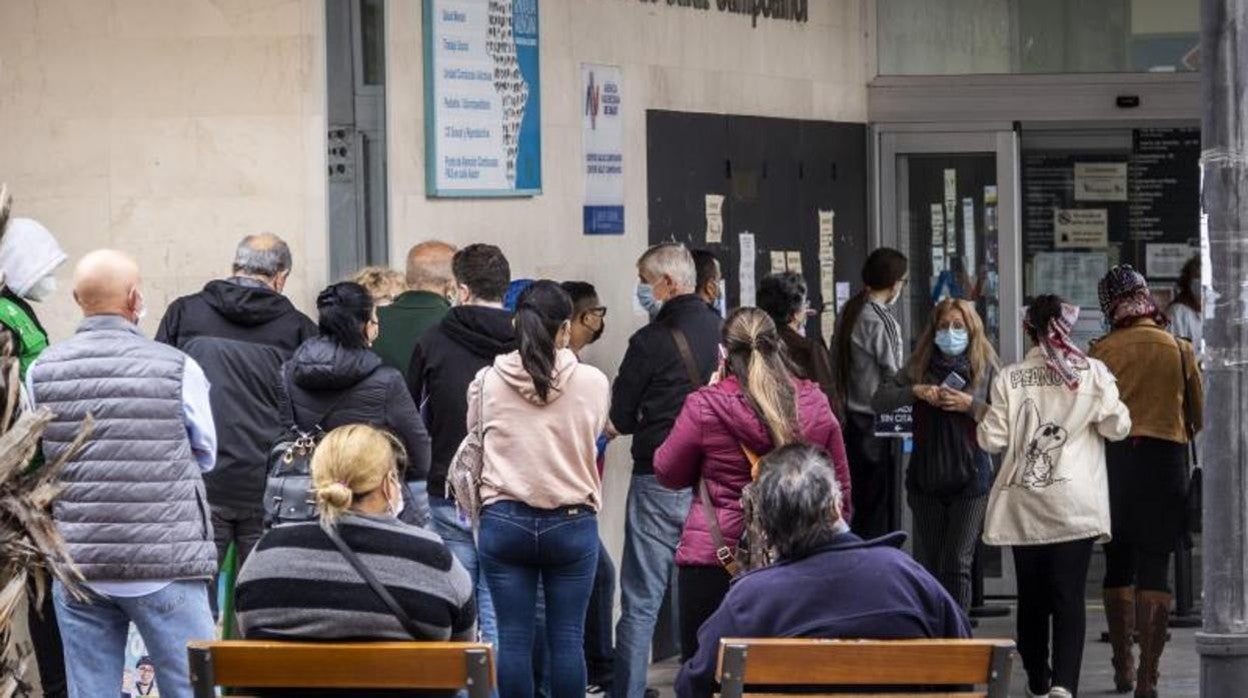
(953, 381)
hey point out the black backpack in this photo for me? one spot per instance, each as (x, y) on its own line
(288, 490)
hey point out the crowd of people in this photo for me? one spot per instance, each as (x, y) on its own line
(760, 498)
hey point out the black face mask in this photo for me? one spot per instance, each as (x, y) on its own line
(597, 334)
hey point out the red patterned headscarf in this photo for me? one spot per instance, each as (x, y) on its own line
(1060, 353)
(1125, 298)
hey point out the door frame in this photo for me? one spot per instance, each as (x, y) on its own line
(890, 141)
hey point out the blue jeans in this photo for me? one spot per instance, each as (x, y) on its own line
(520, 545)
(94, 632)
(652, 528)
(457, 534)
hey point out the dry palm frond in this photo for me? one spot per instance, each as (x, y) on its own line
(31, 549)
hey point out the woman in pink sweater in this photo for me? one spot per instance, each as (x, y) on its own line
(757, 405)
(541, 412)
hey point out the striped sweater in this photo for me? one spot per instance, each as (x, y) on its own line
(297, 585)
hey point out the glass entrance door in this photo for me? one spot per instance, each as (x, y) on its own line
(948, 199)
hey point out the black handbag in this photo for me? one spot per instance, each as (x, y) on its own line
(943, 463)
(1195, 503)
(288, 488)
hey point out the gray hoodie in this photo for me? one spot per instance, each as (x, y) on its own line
(876, 353)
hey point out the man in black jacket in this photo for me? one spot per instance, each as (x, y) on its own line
(240, 330)
(447, 359)
(648, 394)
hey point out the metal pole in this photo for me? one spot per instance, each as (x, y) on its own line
(1223, 644)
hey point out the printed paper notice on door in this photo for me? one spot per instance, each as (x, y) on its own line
(1166, 260)
(779, 261)
(1100, 181)
(1081, 227)
(745, 274)
(826, 241)
(793, 261)
(714, 219)
(951, 196)
(968, 236)
(938, 227)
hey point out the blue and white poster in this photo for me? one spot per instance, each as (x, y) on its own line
(482, 98)
(602, 136)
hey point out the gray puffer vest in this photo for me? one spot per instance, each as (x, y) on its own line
(134, 506)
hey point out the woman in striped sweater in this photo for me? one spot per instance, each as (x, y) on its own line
(297, 585)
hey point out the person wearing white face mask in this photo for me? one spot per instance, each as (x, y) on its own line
(297, 585)
(866, 348)
(29, 256)
(947, 380)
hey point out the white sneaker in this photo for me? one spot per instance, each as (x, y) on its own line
(1059, 692)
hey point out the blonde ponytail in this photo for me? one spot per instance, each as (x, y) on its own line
(349, 462)
(755, 356)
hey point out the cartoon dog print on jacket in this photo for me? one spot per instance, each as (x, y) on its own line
(1044, 442)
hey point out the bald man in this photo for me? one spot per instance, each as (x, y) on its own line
(133, 509)
(431, 287)
(241, 329)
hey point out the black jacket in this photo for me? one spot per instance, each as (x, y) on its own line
(328, 385)
(445, 361)
(653, 381)
(240, 332)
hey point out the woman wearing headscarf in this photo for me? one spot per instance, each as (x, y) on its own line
(1160, 382)
(1051, 414)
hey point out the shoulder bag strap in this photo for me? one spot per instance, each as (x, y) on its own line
(378, 588)
(686, 357)
(727, 559)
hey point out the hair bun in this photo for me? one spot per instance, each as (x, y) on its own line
(335, 496)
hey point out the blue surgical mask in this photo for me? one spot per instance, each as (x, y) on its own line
(645, 296)
(1194, 287)
(721, 302)
(952, 342)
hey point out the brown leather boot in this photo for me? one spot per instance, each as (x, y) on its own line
(1152, 617)
(1120, 613)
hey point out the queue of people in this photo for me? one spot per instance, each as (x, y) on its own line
(747, 436)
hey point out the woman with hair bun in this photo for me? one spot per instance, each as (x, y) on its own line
(755, 406)
(540, 412)
(297, 585)
(335, 379)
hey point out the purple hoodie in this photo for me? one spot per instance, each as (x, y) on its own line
(706, 441)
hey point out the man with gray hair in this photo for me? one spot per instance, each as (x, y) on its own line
(827, 583)
(241, 329)
(666, 360)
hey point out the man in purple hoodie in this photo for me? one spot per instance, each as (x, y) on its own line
(829, 583)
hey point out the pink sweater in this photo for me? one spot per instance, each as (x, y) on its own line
(540, 453)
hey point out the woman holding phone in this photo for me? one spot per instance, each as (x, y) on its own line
(946, 380)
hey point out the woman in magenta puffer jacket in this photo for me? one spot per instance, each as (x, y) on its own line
(758, 405)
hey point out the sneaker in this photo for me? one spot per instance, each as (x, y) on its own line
(651, 692)
(597, 689)
(1059, 692)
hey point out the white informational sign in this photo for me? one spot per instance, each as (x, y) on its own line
(968, 236)
(602, 135)
(779, 261)
(714, 219)
(483, 133)
(827, 268)
(1080, 227)
(938, 226)
(1165, 260)
(826, 239)
(951, 199)
(842, 294)
(793, 261)
(1100, 181)
(1071, 275)
(745, 275)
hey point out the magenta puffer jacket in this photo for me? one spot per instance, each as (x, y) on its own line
(705, 442)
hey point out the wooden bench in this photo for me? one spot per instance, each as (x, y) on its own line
(359, 665)
(878, 664)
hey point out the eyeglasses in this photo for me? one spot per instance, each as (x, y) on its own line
(599, 312)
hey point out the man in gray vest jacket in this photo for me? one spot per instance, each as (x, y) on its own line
(133, 511)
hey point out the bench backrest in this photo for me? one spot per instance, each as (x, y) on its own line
(875, 663)
(371, 665)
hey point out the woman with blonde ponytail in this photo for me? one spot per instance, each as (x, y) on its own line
(297, 585)
(753, 405)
